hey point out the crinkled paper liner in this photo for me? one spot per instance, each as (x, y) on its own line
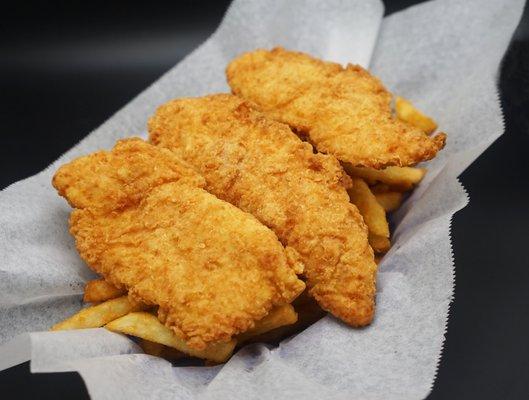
(427, 53)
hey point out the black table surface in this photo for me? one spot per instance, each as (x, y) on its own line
(65, 68)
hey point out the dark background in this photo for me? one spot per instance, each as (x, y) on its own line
(65, 68)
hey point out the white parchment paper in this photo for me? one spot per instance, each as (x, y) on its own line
(443, 55)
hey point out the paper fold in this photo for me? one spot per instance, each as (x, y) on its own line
(443, 55)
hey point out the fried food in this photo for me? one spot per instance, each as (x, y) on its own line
(160, 350)
(400, 179)
(146, 326)
(99, 315)
(409, 113)
(379, 243)
(212, 269)
(262, 167)
(390, 201)
(279, 316)
(345, 112)
(110, 181)
(100, 290)
(308, 312)
(373, 213)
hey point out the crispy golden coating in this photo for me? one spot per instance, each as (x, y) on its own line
(114, 180)
(345, 112)
(263, 168)
(212, 269)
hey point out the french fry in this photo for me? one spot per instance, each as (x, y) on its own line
(151, 348)
(398, 178)
(308, 311)
(407, 112)
(99, 290)
(146, 326)
(170, 353)
(380, 244)
(390, 201)
(275, 335)
(159, 350)
(102, 314)
(373, 213)
(279, 316)
(380, 188)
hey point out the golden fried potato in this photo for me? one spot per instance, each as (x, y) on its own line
(380, 244)
(308, 312)
(279, 316)
(146, 326)
(390, 201)
(102, 314)
(372, 212)
(159, 350)
(380, 188)
(400, 179)
(408, 113)
(151, 348)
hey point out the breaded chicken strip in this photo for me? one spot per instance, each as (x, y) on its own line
(212, 269)
(345, 112)
(263, 168)
(122, 177)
